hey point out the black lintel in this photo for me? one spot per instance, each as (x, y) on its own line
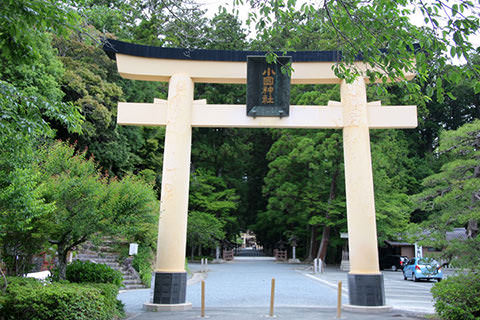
(111, 47)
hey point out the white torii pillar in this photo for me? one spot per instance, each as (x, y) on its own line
(180, 113)
(365, 281)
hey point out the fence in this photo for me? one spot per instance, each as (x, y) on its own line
(228, 255)
(280, 255)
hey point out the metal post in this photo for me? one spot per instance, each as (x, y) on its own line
(339, 300)
(272, 297)
(316, 265)
(203, 300)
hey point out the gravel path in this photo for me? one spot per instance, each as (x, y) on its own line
(246, 282)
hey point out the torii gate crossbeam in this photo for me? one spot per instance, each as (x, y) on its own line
(182, 68)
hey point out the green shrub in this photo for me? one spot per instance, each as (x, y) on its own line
(86, 271)
(110, 292)
(142, 262)
(457, 297)
(31, 299)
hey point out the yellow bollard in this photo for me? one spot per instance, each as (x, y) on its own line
(203, 300)
(339, 300)
(272, 297)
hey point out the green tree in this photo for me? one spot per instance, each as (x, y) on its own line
(23, 24)
(225, 32)
(392, 167)
(90, 83)
(87, 203)
(451, 196)
(134, 210)
(211, 207)
(24, 122)
(303, 190)
(381, 32)
(78, 190)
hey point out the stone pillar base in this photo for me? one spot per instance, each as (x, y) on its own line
(366, 290)
(218, 261)
(167, 307)
(169, 288)
(345, 265)
(367, 309)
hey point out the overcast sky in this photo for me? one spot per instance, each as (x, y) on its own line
(211, 6)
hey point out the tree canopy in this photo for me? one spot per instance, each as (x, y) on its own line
(57, 84)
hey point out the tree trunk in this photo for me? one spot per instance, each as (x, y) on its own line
(5, 282)
(200, 250)
(322, 250)
(192, 253)
(472, 229)
(311, 245)
(314, 242)
(62, 262)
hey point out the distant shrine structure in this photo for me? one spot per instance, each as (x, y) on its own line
(182, 68)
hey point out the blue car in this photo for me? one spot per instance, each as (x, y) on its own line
(422, 268)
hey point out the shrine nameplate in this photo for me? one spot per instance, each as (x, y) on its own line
(268, 87)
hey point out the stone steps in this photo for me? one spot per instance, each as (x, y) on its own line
(106, 255)
(135, 286)
(131, 281)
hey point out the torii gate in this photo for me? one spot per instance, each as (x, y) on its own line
(182, 68)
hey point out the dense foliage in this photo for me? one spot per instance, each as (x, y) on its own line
(86, 271)
(382, 33)
(457, 297)
(27, 298)
(451, 196)
(56, 83)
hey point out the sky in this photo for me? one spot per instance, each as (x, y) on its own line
(211, 6)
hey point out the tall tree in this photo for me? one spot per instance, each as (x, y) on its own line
(24, 122)
(211, 208)
(85, 201)
(302, 189)
(90, 83)
(380, 32)
(452, 196)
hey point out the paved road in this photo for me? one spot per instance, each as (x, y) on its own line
(246, 283)
(400, 294)
(242, 287)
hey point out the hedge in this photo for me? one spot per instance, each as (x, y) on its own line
(27, 298)
(86, 271)
(457, 297)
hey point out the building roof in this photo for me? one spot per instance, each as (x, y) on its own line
(398, 243)
(456, 234)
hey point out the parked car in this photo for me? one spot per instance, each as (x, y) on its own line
(422, 268)
(393, 262)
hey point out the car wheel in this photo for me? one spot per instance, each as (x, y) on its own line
(404, 276)
(414, 278)
(439, 279)
(394, 268)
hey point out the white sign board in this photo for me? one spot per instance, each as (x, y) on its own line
(133, 249)
(418, 251)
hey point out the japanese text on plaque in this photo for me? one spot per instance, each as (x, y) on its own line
(268, 86)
